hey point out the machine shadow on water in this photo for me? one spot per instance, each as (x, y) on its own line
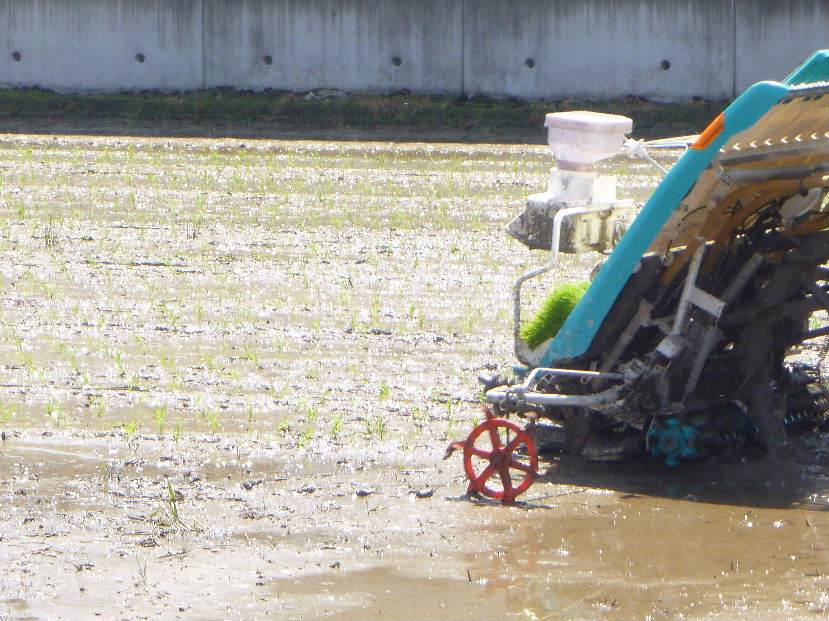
(796, 479)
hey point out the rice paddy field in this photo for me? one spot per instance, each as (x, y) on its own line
(229, 369)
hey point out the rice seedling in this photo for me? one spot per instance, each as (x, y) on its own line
(168, 514)
(306, 437)
(311, 413)
(376, 427)
(130, 429)
(337, 425)
(97, 405)
(250, 418)
(160, 416)
(452, 418)
(7, 413)
(177, 432)
(385, 390)
(250, 354)
(212, 418)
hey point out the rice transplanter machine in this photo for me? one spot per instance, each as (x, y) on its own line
(689, 340)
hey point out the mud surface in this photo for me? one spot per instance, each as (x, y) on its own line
(229, 372)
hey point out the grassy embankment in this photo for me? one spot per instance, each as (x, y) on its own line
(224, 111)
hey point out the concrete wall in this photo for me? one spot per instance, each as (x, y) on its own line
(599, 48)
(91, 45)
(663, 49)
(772, 37)
(374, 45)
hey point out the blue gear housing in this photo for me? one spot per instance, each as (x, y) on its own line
(673, 441)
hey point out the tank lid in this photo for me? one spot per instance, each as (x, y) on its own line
(583, 120)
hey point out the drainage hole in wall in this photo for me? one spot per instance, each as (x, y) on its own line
(395, 60)
(139, 58)
(665, 64)
(267, 59)
(16, 57)
(530, 62)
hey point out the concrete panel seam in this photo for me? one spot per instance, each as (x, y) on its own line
(203, 50)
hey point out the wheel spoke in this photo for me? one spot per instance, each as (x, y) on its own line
(514, 444)
(495, 437)
(507, 481)
(514, 463)
(485, 475)
(481, 453)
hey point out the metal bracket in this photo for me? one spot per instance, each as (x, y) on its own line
(707, 302)
(691, 294)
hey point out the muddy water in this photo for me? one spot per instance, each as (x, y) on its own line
(82, 520)
(645, 557)
(602, 556)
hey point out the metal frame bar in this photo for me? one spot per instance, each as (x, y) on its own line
(758, 175)
(751, 155)
(523, 394)
(555, 399)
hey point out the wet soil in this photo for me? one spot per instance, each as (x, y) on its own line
(230, 370)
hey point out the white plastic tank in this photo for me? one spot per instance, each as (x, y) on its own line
(579, 139)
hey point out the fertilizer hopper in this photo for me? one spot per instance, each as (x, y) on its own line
(688, 341)
(578, 140)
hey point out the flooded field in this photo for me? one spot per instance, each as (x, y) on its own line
(229, 370)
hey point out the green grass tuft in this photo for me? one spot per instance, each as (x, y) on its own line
(553, 313)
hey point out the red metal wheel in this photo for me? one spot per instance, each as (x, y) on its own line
(489, 450)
